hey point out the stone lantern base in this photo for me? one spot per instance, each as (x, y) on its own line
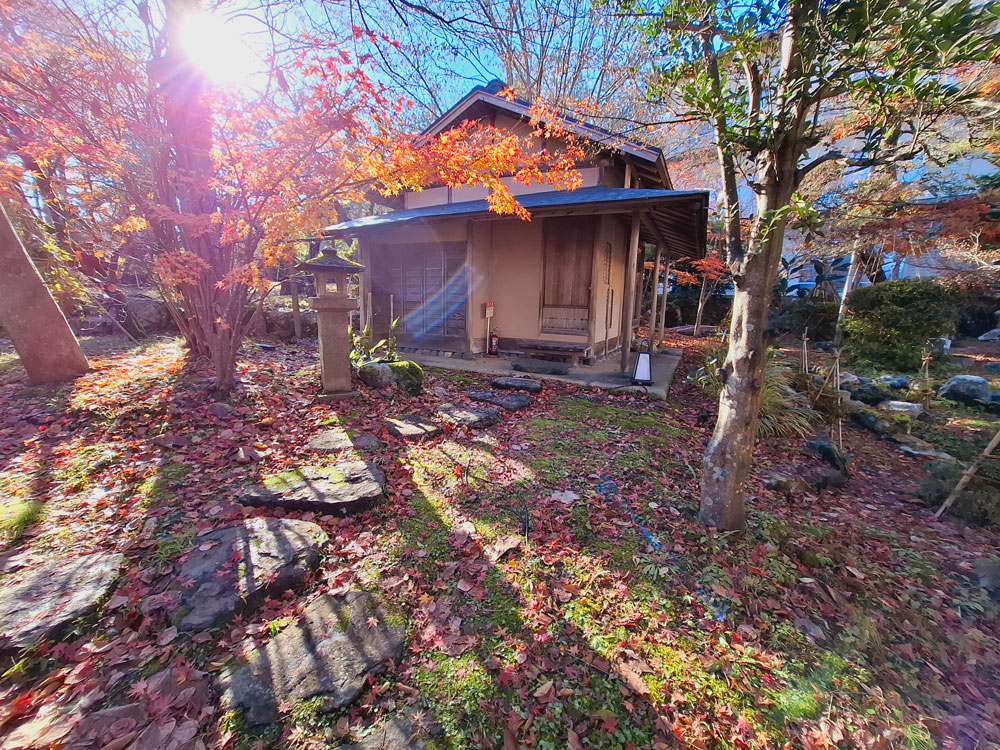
(333, 313)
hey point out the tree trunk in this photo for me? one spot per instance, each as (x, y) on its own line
(701, 307)
(43, 339)
(849, 284)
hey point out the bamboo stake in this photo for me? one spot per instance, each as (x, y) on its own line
(967, 475)
(805, 351)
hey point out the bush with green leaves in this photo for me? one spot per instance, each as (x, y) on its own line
(888, 324)
(363, 350)
(783, 411)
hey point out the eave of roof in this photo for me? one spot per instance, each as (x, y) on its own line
(677, 216)
(523, 109)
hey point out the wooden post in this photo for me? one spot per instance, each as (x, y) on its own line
(628, 306)
(656, 294)
(296, 310)
(370, 318)
(663, 305)
(967, 475)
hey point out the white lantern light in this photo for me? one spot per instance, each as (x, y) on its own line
(642, 372)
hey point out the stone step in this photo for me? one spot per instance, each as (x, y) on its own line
(331, 652)
(468, 416)
(517, 384)
(42, 602)
(344, 489)
(541, 366)
(339, 439)
(412, 427)
(232, 570)
(508, 401)
(398, 732)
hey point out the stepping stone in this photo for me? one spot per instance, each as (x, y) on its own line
(339, 439)
(412, 427)
(331, 652)
(398, 732)
(508, 401)
(42, 602)
(345, 488)
(234, 569)
(468, 416)
(542, 366)
(517, 384)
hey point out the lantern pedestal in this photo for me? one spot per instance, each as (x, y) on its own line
(333, 317)
(333, 306)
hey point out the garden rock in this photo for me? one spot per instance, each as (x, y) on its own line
(398, 732)
(348, 487)
(220, 409)
(871, 420)
(340, 439)
(988, 571)
(48, 597)
(468, 416)
(903, 407)
(508, 401)
(849, 381)
(870, 394)
(411, 427)
(792, 485)
(541, 366)
(517, 384)
(233, 569)
(993, 335)
(906, 450)
(376, 375)
(330, 653)
(896, 382)
(966, 389)
(993, 368)
(148, 313)
(831, 453)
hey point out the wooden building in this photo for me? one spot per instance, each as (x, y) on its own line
(562, 284)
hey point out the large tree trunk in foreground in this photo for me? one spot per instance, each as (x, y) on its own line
(43, 339)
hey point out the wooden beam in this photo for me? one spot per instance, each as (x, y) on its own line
(628, 304)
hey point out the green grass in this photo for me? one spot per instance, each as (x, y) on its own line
(16, 516)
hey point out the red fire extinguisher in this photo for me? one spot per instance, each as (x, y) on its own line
(493, 347)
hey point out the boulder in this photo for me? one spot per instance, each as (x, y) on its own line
(903, 407)
(344, 489)
(332, 652)
(993, 368)
(896, 382)
(508, 401)
(405, 375)
(376, 374)
(398, 732)
(517, 384)
(988, 571)
(232, 570)
(39, 602)
(149, 314)
(793, 485)
(871, 420)
(281, 323)
(966, 389)
(468, 416)
(542, 366)
(871, 394)
(993, 335)
(849, 381)
(340, 439)
(831, 453)
(411, 427)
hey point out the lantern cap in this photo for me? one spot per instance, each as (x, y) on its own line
(330, 262)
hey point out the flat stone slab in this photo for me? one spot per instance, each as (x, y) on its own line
(508, 401)
(345, 488)
(398, 732)
(412, 427)
(339, 439)
(234, 569)
(542, 366)
(517, 384)
(468, 416)
(334, 648)
(41, 602)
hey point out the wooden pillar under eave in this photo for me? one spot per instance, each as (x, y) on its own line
(656, 296)
(628, 304)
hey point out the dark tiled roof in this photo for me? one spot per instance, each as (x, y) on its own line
(679, 216)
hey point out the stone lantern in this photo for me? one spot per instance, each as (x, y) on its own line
(333, 306)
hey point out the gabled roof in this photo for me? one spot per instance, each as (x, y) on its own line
(473, 105)
(676, 218)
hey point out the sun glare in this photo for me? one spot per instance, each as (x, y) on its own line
(219, 48)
